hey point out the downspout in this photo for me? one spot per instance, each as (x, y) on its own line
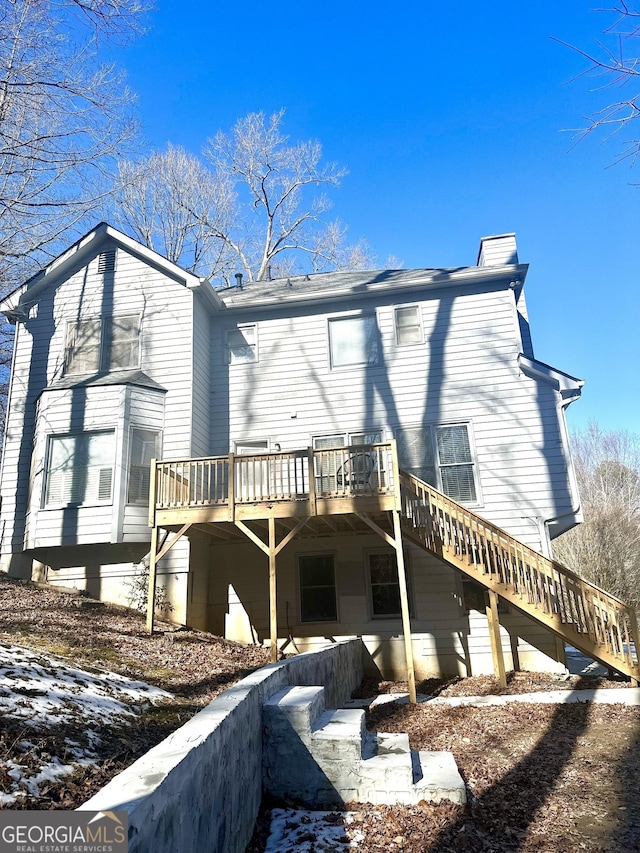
(567, 397)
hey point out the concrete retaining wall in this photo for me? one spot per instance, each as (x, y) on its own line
(200, 789)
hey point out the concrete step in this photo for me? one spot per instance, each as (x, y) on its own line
(327, 756)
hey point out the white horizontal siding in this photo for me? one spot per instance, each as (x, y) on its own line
(466, 369)
(440, 627)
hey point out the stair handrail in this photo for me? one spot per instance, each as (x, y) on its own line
(524, 577)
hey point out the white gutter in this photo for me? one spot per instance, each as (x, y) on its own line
(569, 389)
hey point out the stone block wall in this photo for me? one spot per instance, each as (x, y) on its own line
(200, 789)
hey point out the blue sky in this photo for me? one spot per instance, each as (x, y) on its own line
(450, 118)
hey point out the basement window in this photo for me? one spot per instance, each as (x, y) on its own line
(317, 588)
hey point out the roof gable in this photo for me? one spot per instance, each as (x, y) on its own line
(80, 254)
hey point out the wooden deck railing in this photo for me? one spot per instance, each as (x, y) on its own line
(335, 472)
(314, 479)
(581, 613)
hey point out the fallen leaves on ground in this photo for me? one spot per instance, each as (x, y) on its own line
(52, 756)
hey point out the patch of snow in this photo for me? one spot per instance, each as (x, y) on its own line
(312, 832)
(41, 691)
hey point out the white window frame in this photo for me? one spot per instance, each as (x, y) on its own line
(252, 347)
(333, 322)
(141, 501)
(435, 456)
(327, 476)
(334, 586)
(85, 500)
(102, 346)
(417, 325)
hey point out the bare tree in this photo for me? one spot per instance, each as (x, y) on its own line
(606, 547)
(63, 119)
(256, 205)
(616, 65)
(172, 203)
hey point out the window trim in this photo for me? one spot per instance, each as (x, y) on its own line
(300, 556)
(395, 617)
(103, 320)
(50, 438)
(432, 428)
(419, 324)
(254, 347)
(158, 447)
(339, 318)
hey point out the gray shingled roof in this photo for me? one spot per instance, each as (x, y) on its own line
(321, 284)
(119, 377)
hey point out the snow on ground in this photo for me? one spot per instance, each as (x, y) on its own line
(312, 832)
(39, 692)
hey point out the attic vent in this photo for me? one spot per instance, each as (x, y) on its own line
(107, 261)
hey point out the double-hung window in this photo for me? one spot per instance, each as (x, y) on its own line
(408, 324)
(455, 462)
(317, 588)
(99, 345)
(80, 468)
(441, 455)
(353, 341)
(144, 446)
(383, 584)
(242, 344)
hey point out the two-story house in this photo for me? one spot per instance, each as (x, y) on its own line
(122, 357)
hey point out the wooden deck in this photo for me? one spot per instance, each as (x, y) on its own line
(272, 497)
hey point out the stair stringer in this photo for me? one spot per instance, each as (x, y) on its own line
(589, 618)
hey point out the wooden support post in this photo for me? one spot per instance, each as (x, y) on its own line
(635, 636)
(404, 606)
(494, 635)
(273, 610)
(151, 595)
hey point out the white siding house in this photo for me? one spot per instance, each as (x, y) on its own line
(122, 357)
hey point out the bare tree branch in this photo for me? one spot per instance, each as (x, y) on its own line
(616, 66)
(606, 547)
(64, 119)
(251, 206)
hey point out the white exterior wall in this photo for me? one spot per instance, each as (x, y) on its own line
(466, 370)
(166, 308)
(447, 638)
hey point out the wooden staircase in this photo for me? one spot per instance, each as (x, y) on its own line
(600, 625)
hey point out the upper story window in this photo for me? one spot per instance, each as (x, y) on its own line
(408, 325)
(353, 341)
(441, 455)
(145, 446)
(80, 468)
(99, 345)
(242, 344)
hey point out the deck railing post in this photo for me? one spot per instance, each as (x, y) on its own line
(312, 481)
(152, 493)
(395, 474)
(231, 487)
